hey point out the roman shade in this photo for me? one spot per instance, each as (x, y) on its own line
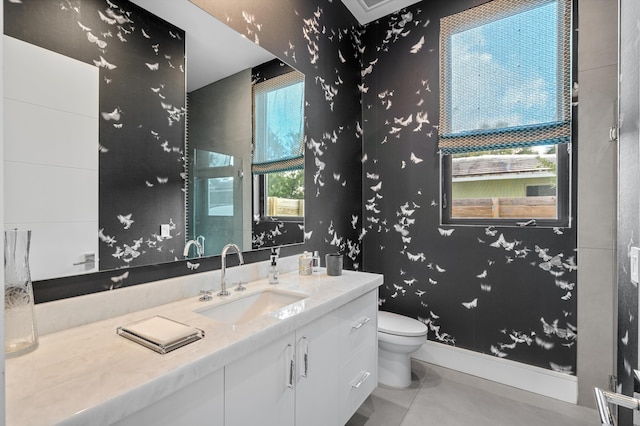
(278, 124)
(505, 76)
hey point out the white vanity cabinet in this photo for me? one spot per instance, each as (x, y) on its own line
(317, 376)
(291, 381)
(201, 403)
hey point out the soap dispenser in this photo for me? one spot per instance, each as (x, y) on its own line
(273, 270)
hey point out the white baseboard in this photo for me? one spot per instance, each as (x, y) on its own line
(522, 376)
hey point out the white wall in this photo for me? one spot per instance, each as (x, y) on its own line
(51, 156)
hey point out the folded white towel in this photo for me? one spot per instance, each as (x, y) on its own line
(161, 331)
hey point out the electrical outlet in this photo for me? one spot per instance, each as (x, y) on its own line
(634, 264)
(165, 230)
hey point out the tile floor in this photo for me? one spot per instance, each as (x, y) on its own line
(442, 397)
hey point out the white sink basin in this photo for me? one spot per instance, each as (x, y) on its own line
(277, 303)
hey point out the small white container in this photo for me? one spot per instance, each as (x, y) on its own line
(305, 264)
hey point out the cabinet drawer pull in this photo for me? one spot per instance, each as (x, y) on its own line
(363, 379)
(305, 357)
(292, 366)
(360, 323)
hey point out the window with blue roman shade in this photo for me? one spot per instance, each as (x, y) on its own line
(279, 124)
(505, 113)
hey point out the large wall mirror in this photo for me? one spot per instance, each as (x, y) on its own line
(204, 146)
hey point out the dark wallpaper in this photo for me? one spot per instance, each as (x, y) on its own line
(506, 292)
(372, 182)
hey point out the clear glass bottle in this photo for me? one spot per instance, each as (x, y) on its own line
(315, 263)
(21, 334)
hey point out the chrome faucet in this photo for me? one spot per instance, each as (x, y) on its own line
(187, 246)
(604, 398)
(201, 239)
(223, 270)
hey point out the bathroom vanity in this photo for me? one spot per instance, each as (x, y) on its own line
(311, 362)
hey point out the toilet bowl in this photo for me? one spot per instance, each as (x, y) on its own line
(398, 338)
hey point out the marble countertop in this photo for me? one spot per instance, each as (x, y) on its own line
(91, 375)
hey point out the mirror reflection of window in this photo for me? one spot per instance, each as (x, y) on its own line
(285, 193)
(278, 155)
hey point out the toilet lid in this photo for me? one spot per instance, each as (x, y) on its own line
(400, 325)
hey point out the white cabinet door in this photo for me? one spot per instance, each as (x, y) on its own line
(201, 403)
(318, 372)
(259, 388)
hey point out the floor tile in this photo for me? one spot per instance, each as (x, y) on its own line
(442, 397)
(404, 397)
(376, 411)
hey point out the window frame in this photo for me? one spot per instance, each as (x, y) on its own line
(563, 197)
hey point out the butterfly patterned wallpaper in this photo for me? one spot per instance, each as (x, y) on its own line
(142, 108)
(372, 183)
(506, 292)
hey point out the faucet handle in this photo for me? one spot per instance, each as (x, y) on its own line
(241, 286)
(205, 295)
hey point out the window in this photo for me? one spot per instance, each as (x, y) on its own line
(278, 154)
(505, 113)
(281, 194)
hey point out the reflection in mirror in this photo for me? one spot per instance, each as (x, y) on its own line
(134, 126)
(248, 123)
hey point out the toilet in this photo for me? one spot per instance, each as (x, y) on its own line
(398, 338)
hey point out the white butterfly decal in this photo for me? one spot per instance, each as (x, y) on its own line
(125, 220)
(446, 232)
(472, 304)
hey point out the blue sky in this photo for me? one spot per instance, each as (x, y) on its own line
(506, 71)
(285, 111)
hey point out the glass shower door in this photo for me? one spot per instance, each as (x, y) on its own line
(215, 195)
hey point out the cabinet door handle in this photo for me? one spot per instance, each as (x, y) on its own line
(292, 366)
(360, 323)
(305, 356)
(363, 379)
